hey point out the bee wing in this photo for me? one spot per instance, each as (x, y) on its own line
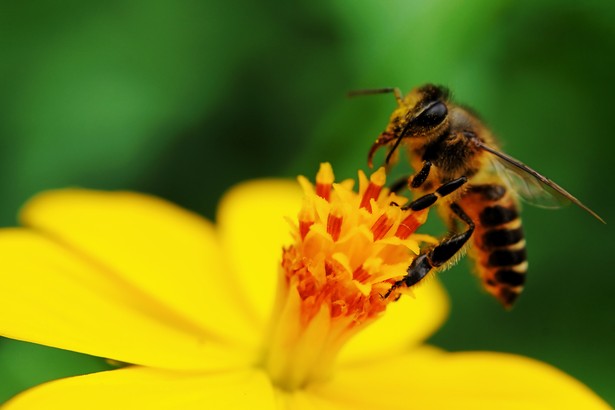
(528, 188)
(532, 187)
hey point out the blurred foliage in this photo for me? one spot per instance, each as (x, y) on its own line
(184, 98)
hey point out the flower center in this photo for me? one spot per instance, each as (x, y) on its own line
(348, 249)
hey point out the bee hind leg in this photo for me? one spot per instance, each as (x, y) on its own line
(437, 256)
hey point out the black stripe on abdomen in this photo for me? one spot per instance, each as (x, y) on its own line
(497, 215)
(510, 277)
(507, 257)
(496, 238)
(503, 242)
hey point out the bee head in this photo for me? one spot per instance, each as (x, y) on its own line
(424, 113)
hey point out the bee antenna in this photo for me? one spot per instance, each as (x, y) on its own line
(371, 91)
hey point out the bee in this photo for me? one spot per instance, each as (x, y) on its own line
(477, 187)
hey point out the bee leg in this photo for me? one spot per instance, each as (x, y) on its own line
(414, 181)
(428, 200)
(438, 255)
(419, 178)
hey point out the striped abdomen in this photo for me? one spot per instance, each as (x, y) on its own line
(498, 244)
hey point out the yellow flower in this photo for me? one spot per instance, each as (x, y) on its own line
(194, 307)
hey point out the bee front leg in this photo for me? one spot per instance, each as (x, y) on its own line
(438, 255)
(419, 178)
(411, 182)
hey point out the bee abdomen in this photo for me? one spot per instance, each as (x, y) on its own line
(498, 242)
(504, 265)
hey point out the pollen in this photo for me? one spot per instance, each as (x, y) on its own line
(349, 248)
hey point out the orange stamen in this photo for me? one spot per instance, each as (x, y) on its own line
(376, 182)
(304, 228)
(410, 224)
(324, 181)
(306, 218)
(334, 226)
(323, 191)
(360, 274)
(381, 227)
(371, 192)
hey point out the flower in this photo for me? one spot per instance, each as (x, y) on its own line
(193, 307)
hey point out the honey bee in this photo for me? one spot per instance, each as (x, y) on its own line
(458, 164)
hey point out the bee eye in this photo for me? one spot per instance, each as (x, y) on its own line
(431, 116)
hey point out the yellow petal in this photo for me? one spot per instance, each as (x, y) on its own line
(252, 225)
(406, 323)
(169, 253)
(301, 400)
(429, 379)
(145, 388)
(51, 296)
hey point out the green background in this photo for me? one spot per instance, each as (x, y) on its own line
(183, 99)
